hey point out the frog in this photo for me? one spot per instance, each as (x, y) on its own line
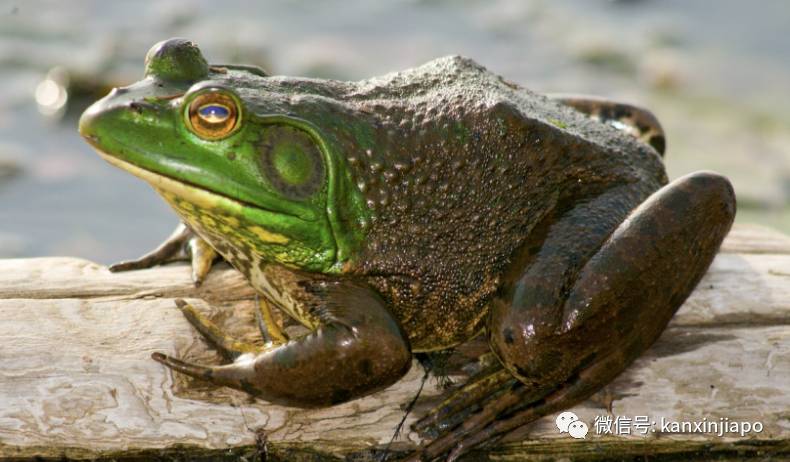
(409, 213)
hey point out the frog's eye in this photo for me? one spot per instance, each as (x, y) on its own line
(213, 115)
(292, 162)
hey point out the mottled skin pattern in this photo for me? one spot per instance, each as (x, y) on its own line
(411, 212)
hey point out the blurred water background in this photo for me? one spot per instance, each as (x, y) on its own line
(716, 73)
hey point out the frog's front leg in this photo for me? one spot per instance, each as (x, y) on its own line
(358, 348)
(182, 244)
(598, 293)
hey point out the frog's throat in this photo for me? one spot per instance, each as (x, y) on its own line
(194, 195)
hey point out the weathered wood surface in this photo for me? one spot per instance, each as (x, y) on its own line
(77, 381)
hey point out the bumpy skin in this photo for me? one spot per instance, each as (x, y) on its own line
(412, 211)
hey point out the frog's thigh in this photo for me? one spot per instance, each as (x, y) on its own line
(622, 295)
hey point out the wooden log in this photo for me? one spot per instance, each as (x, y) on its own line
(77, 381)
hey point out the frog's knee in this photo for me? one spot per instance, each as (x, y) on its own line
(713, 191)
(702, 204)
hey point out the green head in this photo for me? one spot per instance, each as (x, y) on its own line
(218, 143)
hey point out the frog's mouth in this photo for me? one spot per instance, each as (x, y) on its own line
(196, 195)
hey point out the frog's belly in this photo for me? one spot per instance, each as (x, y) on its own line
(429, 328)
(439, 319)
(425, 340)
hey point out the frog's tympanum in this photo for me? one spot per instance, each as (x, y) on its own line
(409, 213)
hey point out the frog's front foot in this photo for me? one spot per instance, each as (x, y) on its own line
(358, 348)
(598, 293)
(183, 244)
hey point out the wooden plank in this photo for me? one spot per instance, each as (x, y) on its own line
(749, 238)
(62, 277)
(76, 377)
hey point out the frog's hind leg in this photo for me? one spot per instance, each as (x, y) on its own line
(596, 294)
(634, 120)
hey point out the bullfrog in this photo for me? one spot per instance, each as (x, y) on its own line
(409, 213)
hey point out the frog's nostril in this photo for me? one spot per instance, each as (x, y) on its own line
(136, 107)
(118, 91)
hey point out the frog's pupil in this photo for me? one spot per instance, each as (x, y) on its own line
(214, 113)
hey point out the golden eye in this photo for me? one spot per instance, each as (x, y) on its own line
(213, 115)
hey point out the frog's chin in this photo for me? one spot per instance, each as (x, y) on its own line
(197, 196)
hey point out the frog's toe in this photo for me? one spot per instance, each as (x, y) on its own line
(271, 331)
(226, 346)
(170, 250)
(229, 375)
(464, 401)
(514, 407)
(183, 244)
(473, 434)
(202, 257)
(190, 369)
(469, 428)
